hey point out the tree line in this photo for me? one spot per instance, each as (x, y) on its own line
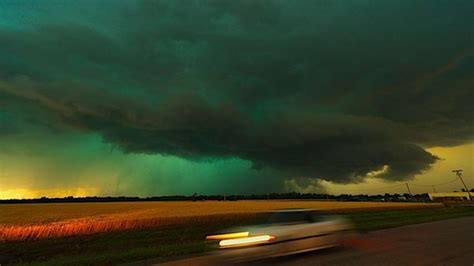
(232, 197)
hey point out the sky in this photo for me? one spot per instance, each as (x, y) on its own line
(145, 98)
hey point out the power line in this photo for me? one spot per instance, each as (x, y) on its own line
(400, 185)
(371, 189)
(449, 182)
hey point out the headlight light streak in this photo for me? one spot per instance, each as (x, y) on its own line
(245, 241)
(228, 236)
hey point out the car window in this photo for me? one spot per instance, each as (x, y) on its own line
(316, 217)
(289, 217)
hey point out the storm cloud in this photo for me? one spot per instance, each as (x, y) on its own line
(327, 90)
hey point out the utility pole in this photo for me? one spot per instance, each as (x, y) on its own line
(458, 172)
(409, 192)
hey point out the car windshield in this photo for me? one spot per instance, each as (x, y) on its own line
(289, 217)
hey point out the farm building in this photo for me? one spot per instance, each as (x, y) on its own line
(450, 196)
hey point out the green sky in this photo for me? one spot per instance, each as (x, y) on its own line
(176, 97)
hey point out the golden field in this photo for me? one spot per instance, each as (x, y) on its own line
(36, 221)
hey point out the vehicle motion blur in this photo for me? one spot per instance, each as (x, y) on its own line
(285, 232)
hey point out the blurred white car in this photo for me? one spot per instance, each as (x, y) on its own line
(286, 232)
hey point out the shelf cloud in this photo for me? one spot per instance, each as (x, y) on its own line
(324, 90)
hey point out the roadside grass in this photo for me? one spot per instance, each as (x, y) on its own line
(132, 254)
(367, 221)
(139, 244)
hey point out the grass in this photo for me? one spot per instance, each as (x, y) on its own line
(367, 221)
(39, 221)
(131, 254)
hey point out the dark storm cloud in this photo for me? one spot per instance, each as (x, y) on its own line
(320, 89)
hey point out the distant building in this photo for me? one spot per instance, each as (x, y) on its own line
(450, 196)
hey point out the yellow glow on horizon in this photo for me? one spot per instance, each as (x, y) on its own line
(464, 152)
(50, 193)
(458, 157)
(15, 194)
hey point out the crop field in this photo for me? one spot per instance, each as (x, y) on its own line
(38, 221)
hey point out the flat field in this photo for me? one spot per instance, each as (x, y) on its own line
(40, 213)
(37, 221)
